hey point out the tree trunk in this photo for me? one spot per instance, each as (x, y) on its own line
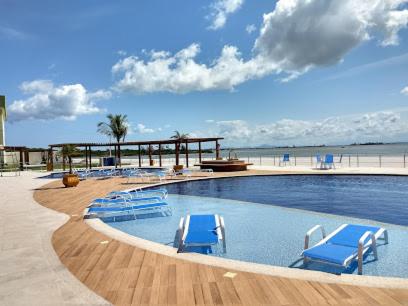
(70, 164)
(119, 157)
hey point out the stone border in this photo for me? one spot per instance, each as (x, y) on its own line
(308, 275)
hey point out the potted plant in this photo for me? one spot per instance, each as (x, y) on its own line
(70, 179)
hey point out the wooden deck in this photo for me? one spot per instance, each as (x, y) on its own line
(125, 275)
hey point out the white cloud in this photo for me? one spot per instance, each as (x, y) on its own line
(299, 35)
(250, 28)
(180, 73)
(142, 129)
(220, 10)
(366, 127)
(47, 101)
(404, 91)
(121, 53)
(296, 37)
(12, 33)
(209, 121)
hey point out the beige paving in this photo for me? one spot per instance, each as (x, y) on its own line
(30, 271)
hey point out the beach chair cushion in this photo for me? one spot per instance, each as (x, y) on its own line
(351, 234)
(202, 229)
(336, 254)
(201, 237)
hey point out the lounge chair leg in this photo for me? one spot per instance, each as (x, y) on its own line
(386, 236)
(224, 241)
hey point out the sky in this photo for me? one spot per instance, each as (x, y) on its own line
(288, 72)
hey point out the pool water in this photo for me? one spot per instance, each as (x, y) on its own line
(380, 198)
(274, 235)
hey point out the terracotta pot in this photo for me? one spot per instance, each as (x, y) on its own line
(70, 180)
(178, 167)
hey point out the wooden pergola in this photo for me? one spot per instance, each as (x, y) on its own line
(176, 142)
(24, 157)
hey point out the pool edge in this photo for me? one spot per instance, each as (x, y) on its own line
(360, 280)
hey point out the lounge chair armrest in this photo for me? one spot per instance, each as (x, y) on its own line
(364, 237)
(361, 247)
(311, 231)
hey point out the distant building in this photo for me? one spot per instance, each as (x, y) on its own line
(3, 115)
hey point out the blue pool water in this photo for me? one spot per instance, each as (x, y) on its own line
(380, 198)
(274, 235)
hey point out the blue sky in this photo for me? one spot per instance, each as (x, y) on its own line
(322, 72)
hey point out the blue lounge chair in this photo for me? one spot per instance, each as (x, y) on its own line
(118, 201)
(344, 245)
(201, 231)
(132, 210)
(140, 193)
(328, 162)
(285, 159)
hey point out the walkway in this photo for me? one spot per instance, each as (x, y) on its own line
(31, 272)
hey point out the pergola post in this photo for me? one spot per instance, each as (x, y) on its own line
(90, 157)
(160, 156)
(177, 147)
(140, 157)
(217, 150)
(186, 153)
(50, 159)
(199, 151)
(21, 159)
(26, 156)
(150, 155)
(86, 157)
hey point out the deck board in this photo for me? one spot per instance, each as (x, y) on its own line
(125, 275)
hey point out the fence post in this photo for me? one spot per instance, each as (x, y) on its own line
(260, 160)
(404, 161)
(295, 160)
(358, 162)
(248, 159)
(380, 160)
(274, 163)
(311, 160)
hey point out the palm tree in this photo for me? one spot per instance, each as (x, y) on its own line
(117, 127)
(179, 137)
(68, 151)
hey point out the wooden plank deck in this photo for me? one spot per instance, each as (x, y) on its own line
(125, 275)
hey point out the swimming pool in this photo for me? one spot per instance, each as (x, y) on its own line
(380, 198)
(274, 235)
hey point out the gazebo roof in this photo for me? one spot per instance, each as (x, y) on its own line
(133, 143)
